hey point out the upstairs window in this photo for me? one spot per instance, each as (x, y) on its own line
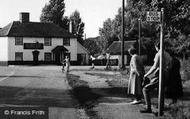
(47, 41)
(66, 41)
(18, 40)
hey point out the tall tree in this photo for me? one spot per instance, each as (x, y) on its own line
(107, 33)
(134, 10)
(177, 23)
(92, 46)
(54, 12)
(77, 25)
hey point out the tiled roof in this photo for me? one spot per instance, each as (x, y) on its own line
(115, 47)
(34, 29)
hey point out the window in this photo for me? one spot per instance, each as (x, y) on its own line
(47, 41)
(18, 40)
(47, 56)
(18, 56)
(66, 41)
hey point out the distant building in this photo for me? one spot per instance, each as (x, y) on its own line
(25, 42)
(115, 50)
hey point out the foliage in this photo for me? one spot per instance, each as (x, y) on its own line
(77, 26)
(176, 24)
(107, 34)
(176, 16)
(54, 12)
(92, 46)
(111, 30)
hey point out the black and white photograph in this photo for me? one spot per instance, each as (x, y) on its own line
(94, 59)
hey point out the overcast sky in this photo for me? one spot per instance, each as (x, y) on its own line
(93, 12)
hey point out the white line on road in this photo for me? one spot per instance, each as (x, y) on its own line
(7, 76)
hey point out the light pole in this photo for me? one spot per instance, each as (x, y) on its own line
(122, 35)
(139, 22)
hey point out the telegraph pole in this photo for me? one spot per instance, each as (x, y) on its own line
(139, 22)
(122, 35)
(161, 76)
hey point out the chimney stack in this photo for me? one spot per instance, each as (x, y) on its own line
(24, 17)
(70, 27)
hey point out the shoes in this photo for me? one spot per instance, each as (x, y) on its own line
(146, 111)
(136, 102)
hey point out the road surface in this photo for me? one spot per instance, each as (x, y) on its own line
(38, 86)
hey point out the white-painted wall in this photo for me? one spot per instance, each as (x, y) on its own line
(27, 53)
(119, 59)
(72, 49)
(3, 49)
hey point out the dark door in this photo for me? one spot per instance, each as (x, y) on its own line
(35, 57)
(57, 58)
(79, 58)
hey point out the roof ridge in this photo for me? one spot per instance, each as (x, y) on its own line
(83, 47)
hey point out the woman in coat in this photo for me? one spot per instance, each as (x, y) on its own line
(174, 89)
(136, 76)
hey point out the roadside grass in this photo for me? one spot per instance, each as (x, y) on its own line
(180, 110)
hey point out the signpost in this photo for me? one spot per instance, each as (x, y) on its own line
(157, 16)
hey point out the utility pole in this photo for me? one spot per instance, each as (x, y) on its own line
(161, 76)
(139, 22)
(122, 35)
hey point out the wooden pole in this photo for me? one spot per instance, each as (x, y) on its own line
(139, 22)
(122, 35)
(161, 82)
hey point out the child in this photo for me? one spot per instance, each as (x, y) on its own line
(63, 65)
(67, 61)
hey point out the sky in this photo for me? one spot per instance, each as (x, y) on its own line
(92, 12)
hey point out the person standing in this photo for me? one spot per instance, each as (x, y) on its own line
(63, 65)
(67, 62)
(108, 66)
(174, 89)
(154, 82)
(92, 59)
(136, 76)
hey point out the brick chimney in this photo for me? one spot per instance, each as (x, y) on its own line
(24, 17)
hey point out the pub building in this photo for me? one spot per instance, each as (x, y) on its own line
(25, 42)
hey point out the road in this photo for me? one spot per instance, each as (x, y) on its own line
(38, 86)
(81, 94)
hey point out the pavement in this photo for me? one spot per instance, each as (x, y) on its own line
(113, 102)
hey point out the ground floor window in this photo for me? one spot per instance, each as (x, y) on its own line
(47, 56)
(18, 56)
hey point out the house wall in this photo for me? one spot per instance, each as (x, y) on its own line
(83, 51)
(119, 59)
(27, 53)
(3, 49)
(73, 49)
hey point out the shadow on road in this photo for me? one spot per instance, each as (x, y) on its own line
(38, 97)
(89, 97)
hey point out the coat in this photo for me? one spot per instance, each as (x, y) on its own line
(136, 75)
(173, 87)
